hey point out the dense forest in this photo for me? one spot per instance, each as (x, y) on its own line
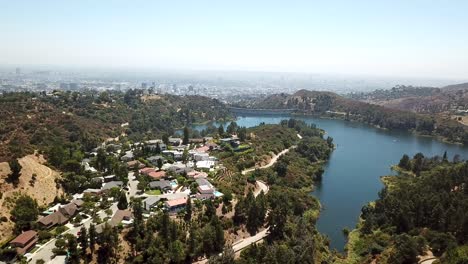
(329, 104)
(39, 121)
(421, 210)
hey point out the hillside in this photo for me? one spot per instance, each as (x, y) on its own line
(43, 188)
(452, 99)
(38, 121)
(328, 104)
(422, 211)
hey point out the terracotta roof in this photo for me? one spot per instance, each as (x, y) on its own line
(24, 238)
(176, 202)
(147, 170)
(157, 174)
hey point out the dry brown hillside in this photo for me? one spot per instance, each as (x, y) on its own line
(43, 189)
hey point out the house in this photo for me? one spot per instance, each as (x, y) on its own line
(153, 145)
(202, 182)
(59, 217)
(202, 149)
(119, 216)
(201, 156)
(154, 159)
(24, 242)
(146, 171)
(157, 174)
(197, 174)
(174, 206)
(128, 156)
(175, 141)
(109, 178)
(135, 163)
(205, 192)
(93, 191)
(151, 202)
(205, 164)
(196, 140)
(161, 185)
(180, 168)
(112, 184)
(177, 155)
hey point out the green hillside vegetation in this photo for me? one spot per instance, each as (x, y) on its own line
(328, 104)
(293, 212)
(38, 121)
(423, 209)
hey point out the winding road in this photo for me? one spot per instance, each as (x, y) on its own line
(273, 160)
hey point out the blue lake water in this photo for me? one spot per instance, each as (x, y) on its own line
(352, 176)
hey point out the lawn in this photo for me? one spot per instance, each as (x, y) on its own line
(153, 192)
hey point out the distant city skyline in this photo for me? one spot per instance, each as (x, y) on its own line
(377, 38)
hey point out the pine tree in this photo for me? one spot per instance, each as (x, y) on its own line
(185, 140)
(83, 240)
(160, 164)
(92, 237)
(122, 204)
(444, 158)
(405, 162)
(188, 210)
(221, 130)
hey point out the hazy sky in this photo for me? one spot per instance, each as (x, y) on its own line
(399, 38)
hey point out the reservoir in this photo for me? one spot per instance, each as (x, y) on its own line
(352, 176)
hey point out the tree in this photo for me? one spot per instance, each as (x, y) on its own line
(158, 148)
(160, 164)
(188, 210)
(221, 130)
(92, 237)
(72, 247)
(24, 213)
(185, 140)
(444, 158)
(231, 128)
(108, 243)
(176, 252)
(242, 133)
(405, 162)
(185, 156)
(15, 168)
(406, 250)
(165, 139)
(83, 240)
(218, 233)
(123, 203)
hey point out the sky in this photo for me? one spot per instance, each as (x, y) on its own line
(410, 38)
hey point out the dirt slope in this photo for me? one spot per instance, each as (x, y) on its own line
(43, 190)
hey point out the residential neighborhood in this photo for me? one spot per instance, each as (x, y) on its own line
(164, 177)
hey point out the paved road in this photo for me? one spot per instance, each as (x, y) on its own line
(238, 246)
(45, 251)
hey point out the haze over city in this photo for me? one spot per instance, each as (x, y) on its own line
(414, 39)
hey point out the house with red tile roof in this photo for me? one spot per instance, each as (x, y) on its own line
(157, 174)
(174, 206)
